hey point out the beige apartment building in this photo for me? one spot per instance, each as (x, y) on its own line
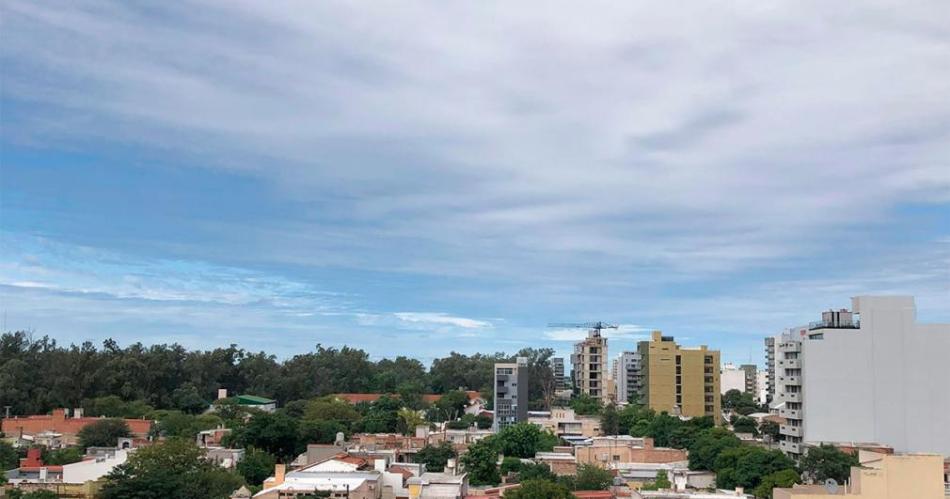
(683, 381)
(909, 476)
(591, 372)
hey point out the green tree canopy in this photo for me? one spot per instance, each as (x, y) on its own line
(539, 489)
(103, 433)
(827, 461)
(780, 479)
(592, 477)
(585, 405)
(175, 468)
(610, 420)
(707, 447)
(481, 462)
(525, 440)
(435, 457)
(256, 466)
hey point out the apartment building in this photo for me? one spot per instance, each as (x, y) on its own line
(881, 477)
(560, 378)
(590, 365)
(511, 393)
(683, 381)
(770, 354)
(629, 377)
(869, 374)
(751, 380)
(731, 378)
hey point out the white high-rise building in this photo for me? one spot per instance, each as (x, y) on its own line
(628, 378)
(880, 379)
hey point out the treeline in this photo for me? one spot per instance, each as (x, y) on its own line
(38, 375)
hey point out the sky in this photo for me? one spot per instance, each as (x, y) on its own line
(415, 178)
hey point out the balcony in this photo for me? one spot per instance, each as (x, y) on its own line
(792, 397)
(795, 431)
(790, 380)
(790, 447)
(790, 413)
(831, 325)
(790, 363)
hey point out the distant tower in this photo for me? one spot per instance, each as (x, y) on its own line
(511, 393)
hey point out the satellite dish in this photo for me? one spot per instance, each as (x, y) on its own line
(831, 486)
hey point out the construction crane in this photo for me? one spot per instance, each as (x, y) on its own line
(594, 327)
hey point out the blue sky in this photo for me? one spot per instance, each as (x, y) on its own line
(418, 178)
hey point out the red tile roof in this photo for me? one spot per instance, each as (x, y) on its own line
(59, 423)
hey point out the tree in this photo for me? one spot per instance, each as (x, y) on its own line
(662, 482)
(36, 494)
(827, 461)
(593, 477)
(525, 440)
(745, 425)
(409, 419)
(59, 457)
(535, 471)
(435, 457)
(662, 428)
(770, 429)
(275, 433)
(452, 404)
(103, 433)
(780, 479)
(707, 447)
(175, 468)
(9, 458)
(539, 489)
(256, 466)
(320, 432)
(510, 465)
(480, 462)
(740, 402)
(746, 465)
(610, 420)
(634, 416)
(188, 399)
(585, 405)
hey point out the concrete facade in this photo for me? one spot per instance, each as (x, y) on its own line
(885, 379)
(590, 365)
(888, 477)
(609, 452)
(681, 381)
(629, 378)
(731, 378)
(511, 393)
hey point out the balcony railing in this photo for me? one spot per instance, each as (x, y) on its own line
(831, 325)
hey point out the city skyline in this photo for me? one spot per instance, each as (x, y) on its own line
(415, 181)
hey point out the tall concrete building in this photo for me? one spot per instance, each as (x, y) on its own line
(590, 365)
(751, 381)
(869, 374)
(677, 380)
(770, 354)
(511, 393)
(560, 379)
(629, 378)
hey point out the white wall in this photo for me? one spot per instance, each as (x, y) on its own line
(732, 378)
(84, 471)
(887, 382)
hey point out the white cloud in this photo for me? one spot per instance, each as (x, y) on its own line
(441, 319)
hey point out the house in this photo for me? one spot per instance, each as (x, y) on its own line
(79, 479)
(211, 438)
(565, 423)
(881, 476)
(255, 402)
(560, 463)
(610, 452)
(357, 477)
(67, 428)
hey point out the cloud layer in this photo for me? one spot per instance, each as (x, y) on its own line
(679, 167)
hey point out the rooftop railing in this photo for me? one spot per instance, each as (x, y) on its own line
(831, 325)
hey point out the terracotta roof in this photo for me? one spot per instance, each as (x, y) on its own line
(403, 471)
(593, 494)
(346, 458)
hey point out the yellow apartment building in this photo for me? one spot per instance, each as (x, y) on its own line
(680, 380)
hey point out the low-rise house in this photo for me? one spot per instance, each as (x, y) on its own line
(565, 423)
(881, 476)
(79, 479)
(260, 403)
(610, 452)
(66, 427)
(211, 438)
(561, 463)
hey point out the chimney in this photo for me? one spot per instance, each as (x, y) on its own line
(450, 466)
(379, 465)
(422, 431)
(279, 472)
(222, 393)
(59, 414)
(740, 491)
(77, 412)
